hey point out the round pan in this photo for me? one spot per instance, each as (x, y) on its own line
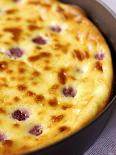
(79, 142)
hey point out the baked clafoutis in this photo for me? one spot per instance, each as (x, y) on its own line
(55, 73)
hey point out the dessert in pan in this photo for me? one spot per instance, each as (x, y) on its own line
(55, 73)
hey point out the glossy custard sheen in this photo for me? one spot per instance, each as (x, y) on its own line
(55, 73)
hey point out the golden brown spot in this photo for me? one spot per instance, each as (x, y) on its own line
(3, 79)
(33, 27)
(34, 2)
(16, 125)
(8, 143)
(40, 18)
(23, 148)
(53, 102)
(34, 83)
(16, 99)
(33, 58)
(13, 78)
(39, 56)
(72, 15)
(3, 85)
(17, 18)
(63, 48)
(8, 102)
(44, 55)
(21, 87)
(2, 111)
(66, 16)
(46, 5)
(9, 71)
(3, 65)
(98, 66)
(21, 78)
(1, 122)
(47, 68)
(21, 70)
(53, 88)
(78, 37)
(21, 63)
(38, 47)
(65, 107)
(11, 11)
(80, 55)
(16, 32)
(47, 61)
(32, 20)
(64, 129)
(73, 78)
(30, 93)
(57, 118)
(7, 42)
(9, 18)
(39, 98)
(3, 82)
(62, 76)
(36, 73)
(60, 9)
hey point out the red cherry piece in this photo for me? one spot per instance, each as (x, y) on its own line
(99, 56)
(39, 40)
(69, 92)
(20, 115)
(36, 130)
(15, 52)
(56, 28)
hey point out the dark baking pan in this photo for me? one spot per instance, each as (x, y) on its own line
(79, 142)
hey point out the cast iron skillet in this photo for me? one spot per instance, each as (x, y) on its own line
(79, 142)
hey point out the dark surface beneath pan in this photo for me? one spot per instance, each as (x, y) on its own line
(78, 143)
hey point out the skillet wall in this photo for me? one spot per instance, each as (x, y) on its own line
(80, 142)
